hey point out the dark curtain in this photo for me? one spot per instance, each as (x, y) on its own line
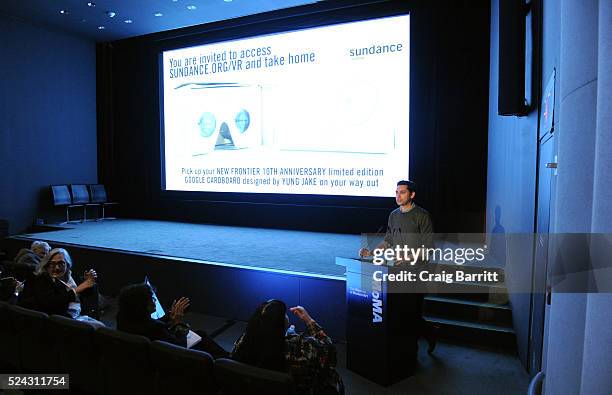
(105, 124)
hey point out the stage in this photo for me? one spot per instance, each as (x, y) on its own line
(226, 271)
(284, 251)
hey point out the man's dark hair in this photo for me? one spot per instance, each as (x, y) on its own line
(411, 185)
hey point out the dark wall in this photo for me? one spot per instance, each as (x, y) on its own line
(47, 118)
(511, 192)
(449, 95)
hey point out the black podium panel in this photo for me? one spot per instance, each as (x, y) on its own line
(381, 331)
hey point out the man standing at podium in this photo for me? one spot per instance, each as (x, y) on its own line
(409, 225)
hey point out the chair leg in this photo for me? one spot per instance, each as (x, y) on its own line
(75, 221)
(67, 217)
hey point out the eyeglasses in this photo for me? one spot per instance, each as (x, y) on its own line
(58, 264)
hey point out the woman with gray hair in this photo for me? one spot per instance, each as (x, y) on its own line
(54, 291)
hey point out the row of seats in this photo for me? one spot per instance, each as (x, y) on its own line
(107, 361)
(83, 196)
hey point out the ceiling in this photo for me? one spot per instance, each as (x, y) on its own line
(109, 20)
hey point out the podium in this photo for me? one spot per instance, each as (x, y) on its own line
(381, 328)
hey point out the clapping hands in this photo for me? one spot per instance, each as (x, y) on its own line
(90, 279)
(178, 309)
(302, 314)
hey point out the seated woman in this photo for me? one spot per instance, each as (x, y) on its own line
(269, 342)
(54, 291)
(137, 303)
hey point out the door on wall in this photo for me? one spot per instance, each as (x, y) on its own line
(546, 173)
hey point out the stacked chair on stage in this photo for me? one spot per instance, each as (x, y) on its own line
(80, 195)
(106, 361)
(63, 198)
(84, 197)
(98, 196)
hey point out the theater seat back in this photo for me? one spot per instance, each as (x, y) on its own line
(37, 349)
(9, 357)
(125, 367)
(182, 371)
(237, 378)
(77, 352)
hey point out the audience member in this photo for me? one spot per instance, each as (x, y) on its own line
(270, 342)
(54, 291)
(137, 303)
(34, 254)
(27, 260)
(9, 287)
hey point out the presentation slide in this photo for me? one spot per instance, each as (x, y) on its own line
(320, 111)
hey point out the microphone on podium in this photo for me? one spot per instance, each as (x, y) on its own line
(370, 246)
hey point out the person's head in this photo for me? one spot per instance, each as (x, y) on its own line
(263, 344)
(40, 248)
(136, 301)
(57, 263)
(405, 192)
(273, 316)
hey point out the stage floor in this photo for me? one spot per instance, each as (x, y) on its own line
(298, 252)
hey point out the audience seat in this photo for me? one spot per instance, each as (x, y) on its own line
(36, 346)
(182, 371)
(9, 357)
(77, 353)
(124, 366)
(107, 361)
(237, 378)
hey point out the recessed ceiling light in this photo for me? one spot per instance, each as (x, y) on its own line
(158, 14)
(64, 12)
(91, 4)
(128, 21)
(191, 7)
(83, 20)
(228, 1)
(101, 28)
(111, 14)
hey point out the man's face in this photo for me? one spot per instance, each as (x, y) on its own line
(57, 266)
(403, 196)
(43, 251)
